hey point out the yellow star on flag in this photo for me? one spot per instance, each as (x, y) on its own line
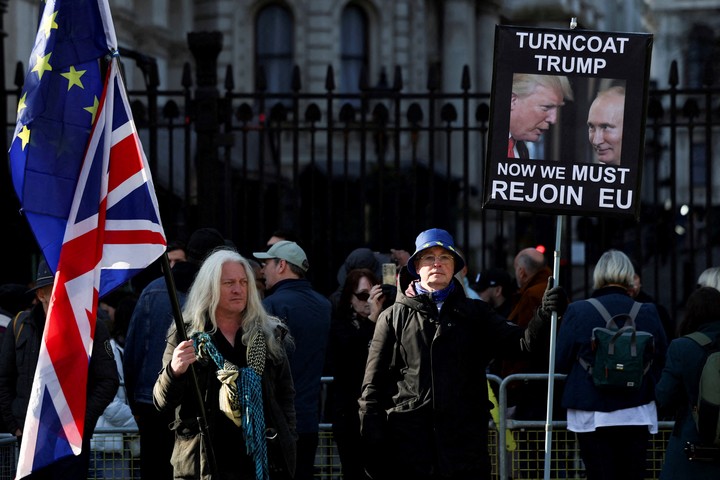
(42, 65)
(48, 23)
(24, 135)
(21, 103)
(73, 77)
(93, 109)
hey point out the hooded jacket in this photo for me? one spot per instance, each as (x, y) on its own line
(425, 388)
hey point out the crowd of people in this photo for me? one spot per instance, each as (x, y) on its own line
(232, 388)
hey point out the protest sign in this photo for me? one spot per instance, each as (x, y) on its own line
(567, 121)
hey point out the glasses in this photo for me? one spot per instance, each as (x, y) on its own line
(443, 259)
(362, 296)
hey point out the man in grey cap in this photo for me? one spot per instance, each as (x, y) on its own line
(18, 361)
(290, 296)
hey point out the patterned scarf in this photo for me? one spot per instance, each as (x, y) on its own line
(244, 406)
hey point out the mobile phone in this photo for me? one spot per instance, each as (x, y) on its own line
(389, 271)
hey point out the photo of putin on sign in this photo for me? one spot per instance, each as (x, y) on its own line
(605, 125)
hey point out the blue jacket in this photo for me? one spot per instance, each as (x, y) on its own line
(148, 331)
(574, 340)
(307, 315)
(676, 391)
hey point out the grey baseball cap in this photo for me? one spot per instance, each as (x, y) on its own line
(288, 251)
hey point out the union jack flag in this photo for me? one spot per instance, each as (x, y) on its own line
(79, 170)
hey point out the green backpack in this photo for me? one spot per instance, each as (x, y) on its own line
(622, 355)
(706, 412)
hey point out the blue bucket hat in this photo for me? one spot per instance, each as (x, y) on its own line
(435, 237)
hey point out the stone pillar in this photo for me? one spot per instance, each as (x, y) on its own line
(205, 48)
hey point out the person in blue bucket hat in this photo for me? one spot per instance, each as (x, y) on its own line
(424, 408)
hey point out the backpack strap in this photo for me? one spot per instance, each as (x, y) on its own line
(15, 320)
(606, 315)
(701, 339)
(600, 308)
(635, 310)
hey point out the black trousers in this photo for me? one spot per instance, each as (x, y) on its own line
(306, 447)
(156, 442)
(615, 453)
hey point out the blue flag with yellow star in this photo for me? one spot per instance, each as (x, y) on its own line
(56, 112)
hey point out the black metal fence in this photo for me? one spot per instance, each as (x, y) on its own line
(376, 167)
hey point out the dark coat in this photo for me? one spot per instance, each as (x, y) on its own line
(18, 361)
(574, 340)
(307, 315)
(177, 393)
(425, 389)
(676, 391)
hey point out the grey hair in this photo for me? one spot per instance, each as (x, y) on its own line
(614, 267)
(204, 297)
(710, 278)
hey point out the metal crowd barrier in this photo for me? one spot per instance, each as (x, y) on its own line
(120, 460)
(528, 438)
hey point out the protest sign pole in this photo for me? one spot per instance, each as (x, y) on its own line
(551, 359)
(553, 336)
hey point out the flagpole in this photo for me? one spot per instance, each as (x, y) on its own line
(551, 359)
(180, 325)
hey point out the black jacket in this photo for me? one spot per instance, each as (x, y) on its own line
(178, 393)
(425, 389)
(18, 361)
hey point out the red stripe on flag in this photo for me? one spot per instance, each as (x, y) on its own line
(125, 161)
(67, 352)
(130, 237)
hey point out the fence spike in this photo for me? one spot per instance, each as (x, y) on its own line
(363, 82)
(397, 79)
(330, 79)
(465, 83)
(19, 75)
(673, 80)
(187, 75)
(260, 79)
(433, 78)
(229, 81)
